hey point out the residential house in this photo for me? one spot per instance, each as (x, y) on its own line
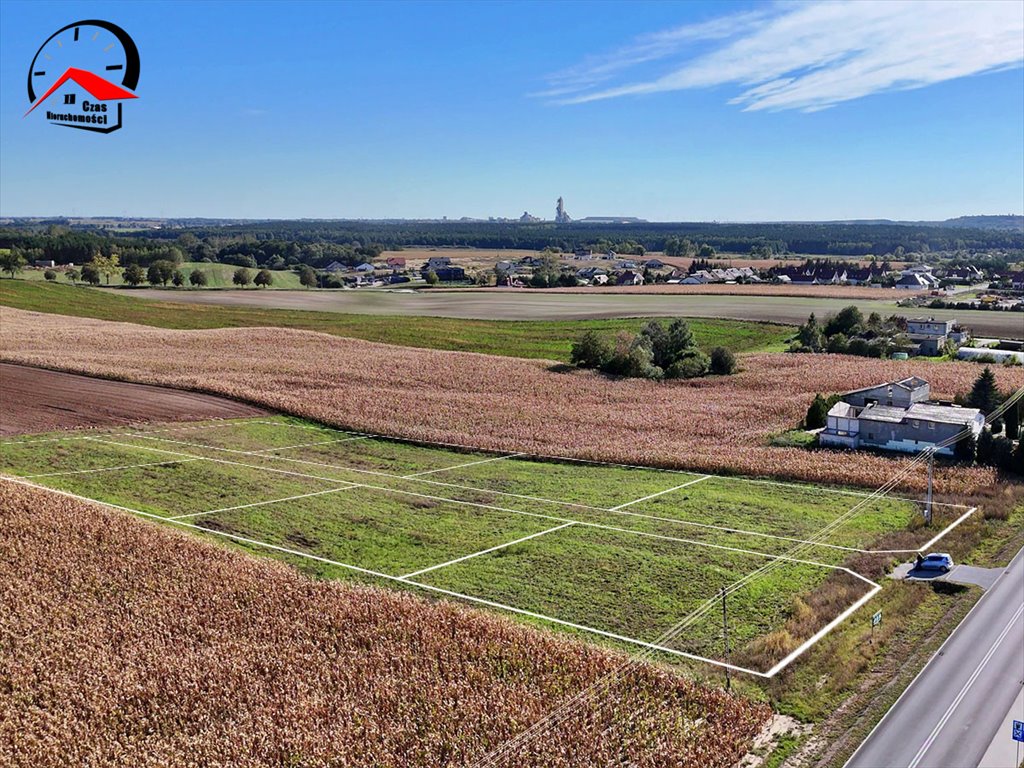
(364, 267)
(335, 266)
(450, 274)
(630, 278)
(917, 277)
(897, 416)
(436, 262)
(655, 264)
(396, 263)
(929, 334)
(967, 274)
(913, 282)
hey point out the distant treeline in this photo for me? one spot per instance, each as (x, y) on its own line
(319, 242)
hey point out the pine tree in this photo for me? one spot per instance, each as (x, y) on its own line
(817, 414)
(984, 394)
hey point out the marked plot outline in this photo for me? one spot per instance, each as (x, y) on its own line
(438, 518)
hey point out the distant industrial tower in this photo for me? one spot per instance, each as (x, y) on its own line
(561, 217)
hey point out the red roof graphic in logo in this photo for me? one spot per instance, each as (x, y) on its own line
(98, 88)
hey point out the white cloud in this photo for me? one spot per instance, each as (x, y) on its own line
(813, 56)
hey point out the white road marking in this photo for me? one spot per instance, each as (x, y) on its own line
(963, 691)
(659, 493)
(486, 551)
(263, 503)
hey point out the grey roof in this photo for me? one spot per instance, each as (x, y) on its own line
(943, 414)
(911, 383)
(877, 412)
(842, 410)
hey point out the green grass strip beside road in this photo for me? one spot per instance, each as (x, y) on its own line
(548, 340)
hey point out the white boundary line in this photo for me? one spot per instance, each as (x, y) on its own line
(460, 466)
(102, 431)
(486, 551)
(428, 587)
(659, 493)
(694, 542)
(113, 469)
(500, 493)
(808, 487)
(262, 503)
(263, 451)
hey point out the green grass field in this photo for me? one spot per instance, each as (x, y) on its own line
(625, 551)
(548, 340)
(217, 276)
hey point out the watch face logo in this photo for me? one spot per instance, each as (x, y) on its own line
(84, 73)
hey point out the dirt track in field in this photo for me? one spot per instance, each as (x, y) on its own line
(37, 400)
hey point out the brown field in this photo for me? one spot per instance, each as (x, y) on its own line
(37, 400)
(499, 403)
(125, 643)
(720, 289)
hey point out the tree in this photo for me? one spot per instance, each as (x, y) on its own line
(178, 278)
(660, 343)
(50, 275)
(966, 449)
(984, 394)
(72, 275)
(591, 351)
(984, 450)
(809, 334)
(133, 275)
(680, 337)
(197, 278)
(690, 365)
(12, 262)
(848, 322)
(160, 272)
(723, 362)
(106, 265)
(705, 251)
(1012, 417)
(263, 278)
(307, 276)
(817, 413)
(837, 344)
(90, 274)
(432, 278)
(242, 277)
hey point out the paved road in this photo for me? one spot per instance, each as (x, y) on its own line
(534, 305)
(950, 714)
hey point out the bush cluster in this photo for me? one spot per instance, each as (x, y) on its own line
(656, 352)
(849, 333)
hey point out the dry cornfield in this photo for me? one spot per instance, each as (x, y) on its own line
(717, 424)
(124, 643)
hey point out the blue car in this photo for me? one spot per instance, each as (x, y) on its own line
(937, 561)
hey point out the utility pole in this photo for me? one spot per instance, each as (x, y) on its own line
(725, 632)
(928, 502)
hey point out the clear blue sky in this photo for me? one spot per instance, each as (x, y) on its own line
(690, 111)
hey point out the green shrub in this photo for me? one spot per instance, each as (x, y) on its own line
(723, 362)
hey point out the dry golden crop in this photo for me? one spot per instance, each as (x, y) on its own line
(717, 424)
(123, 643)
